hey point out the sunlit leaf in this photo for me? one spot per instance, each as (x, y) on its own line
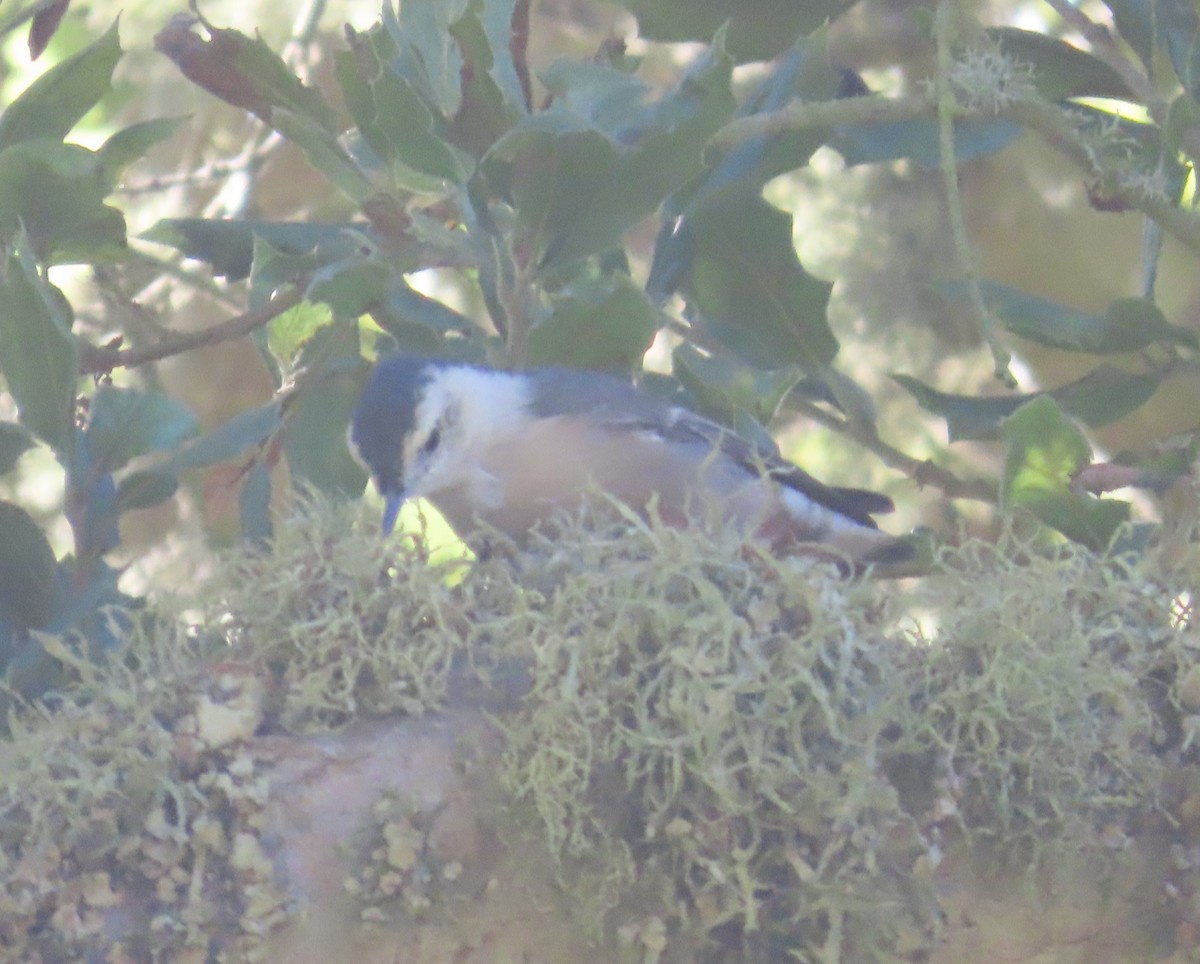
(287, 333)
(1044, 452)
(55, 102)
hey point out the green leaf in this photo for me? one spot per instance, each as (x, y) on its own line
(352, 287)
(1129, 324)
(747, 289)
(229, 245)
(1045, 451)
(595, 323)
(55, 192)
(805, 73)
(38, 356)
(393, 119)
(422, 325)
(600, 159)
(1135, 20)
(493, 98)
(758, 29)
(15, 440)
(1179, 31)
(324, 152)
(1106, 394)
(254, 504)
(245, 72)
(1101, 397)
(428, 54)
(230, 440)
(725, 387)
(315, 443)
(141, 490)
(124, 423)
(1060, 69)
(496, 20)
(131, 143)
(287, 333)
(917, 140)
(28, 570)
(55, 102)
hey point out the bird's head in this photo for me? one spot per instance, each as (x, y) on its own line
(421, 426)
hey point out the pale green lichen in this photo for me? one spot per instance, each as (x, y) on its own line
(728, 755)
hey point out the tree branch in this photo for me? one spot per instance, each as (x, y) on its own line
(1105, 47)
(1050, 122)
(101, 361)
(947, 111)
(922, 471)
(845, 111)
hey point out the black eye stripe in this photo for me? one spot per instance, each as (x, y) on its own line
(432, 442)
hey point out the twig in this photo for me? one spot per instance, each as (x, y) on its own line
(947, 108)
(212, 171)
(922, 471)
(1045, 119)
(829, 113)
(101, 361)
(1141, 85)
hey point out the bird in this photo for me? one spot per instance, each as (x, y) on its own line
(509, 449)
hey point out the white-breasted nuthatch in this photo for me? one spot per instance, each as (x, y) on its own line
(511, 448)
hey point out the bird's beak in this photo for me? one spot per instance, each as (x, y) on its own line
(392, 501)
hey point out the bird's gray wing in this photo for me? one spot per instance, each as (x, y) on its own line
(612, 401)
(680, 426)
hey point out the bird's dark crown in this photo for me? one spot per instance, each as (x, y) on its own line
(385, 414)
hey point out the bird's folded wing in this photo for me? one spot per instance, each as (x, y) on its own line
(684, 427)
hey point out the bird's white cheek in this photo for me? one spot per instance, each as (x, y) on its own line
(481, 489)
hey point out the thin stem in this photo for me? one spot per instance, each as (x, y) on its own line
(101, 361)
(1050, 122)
(873, 109)
(922, 471)
(947, 109)
(1141, 85)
